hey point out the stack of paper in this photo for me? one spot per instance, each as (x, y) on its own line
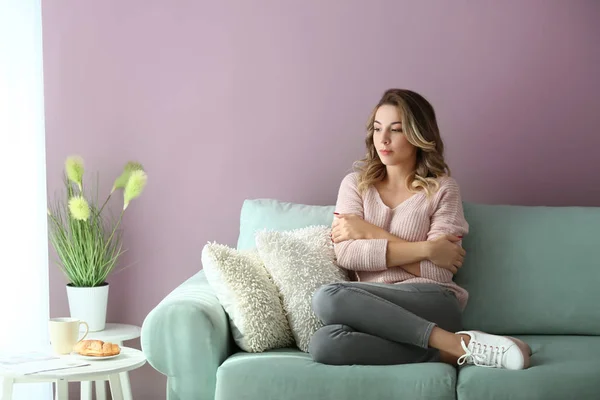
(36, 362)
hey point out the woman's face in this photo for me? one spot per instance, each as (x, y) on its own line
(389, 139)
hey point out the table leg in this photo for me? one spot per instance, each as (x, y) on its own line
(62, 389)
(7, 388)
(115, 387)
(86, 390)
(100, 390)
(126, 386)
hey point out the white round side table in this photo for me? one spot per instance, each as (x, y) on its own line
(99, 370)
(114, 333)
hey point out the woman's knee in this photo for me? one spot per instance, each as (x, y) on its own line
(326, 302)
(326, 344)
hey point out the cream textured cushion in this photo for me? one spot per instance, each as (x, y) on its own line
(300, 261)
(249, 296)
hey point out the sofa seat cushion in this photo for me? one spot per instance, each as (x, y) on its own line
(292, 375)
(562, 367)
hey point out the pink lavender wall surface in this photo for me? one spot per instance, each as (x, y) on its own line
(228, 100)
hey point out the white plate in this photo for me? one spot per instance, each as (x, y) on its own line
(94, 358)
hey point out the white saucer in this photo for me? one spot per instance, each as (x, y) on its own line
(94, 358)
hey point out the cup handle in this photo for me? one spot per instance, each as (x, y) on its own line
(87, 329)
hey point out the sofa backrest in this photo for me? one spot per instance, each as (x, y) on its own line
(277, 215)
(528, 270)
(532, 270)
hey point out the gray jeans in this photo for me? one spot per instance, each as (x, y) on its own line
(380, 324)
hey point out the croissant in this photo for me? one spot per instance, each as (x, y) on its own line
(97, 348)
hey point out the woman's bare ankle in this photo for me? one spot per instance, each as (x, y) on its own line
(448, 342)
(448, 358)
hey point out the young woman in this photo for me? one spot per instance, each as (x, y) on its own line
(397, 230)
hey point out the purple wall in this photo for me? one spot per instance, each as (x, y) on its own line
(223, 101)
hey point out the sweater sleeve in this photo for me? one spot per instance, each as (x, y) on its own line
(361, 254)
(448, 218)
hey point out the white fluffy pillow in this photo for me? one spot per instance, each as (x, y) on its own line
(249, 296)
(300, 261)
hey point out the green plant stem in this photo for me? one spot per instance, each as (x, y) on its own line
(54, 219)
(114, 230)
(106, 201)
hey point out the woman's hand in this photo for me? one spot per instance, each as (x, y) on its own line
(350, 227)
(445, 253)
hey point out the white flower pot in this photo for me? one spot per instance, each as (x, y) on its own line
(89, 304)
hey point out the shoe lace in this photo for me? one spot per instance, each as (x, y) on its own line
(482, 355)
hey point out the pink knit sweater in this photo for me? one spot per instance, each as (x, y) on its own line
(415, 219)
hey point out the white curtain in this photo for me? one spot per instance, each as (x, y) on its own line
(24, 297)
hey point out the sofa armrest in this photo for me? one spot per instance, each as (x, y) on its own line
(186, 337)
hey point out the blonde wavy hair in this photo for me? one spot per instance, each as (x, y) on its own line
(421, 129)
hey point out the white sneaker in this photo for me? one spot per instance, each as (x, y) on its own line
(494, 351)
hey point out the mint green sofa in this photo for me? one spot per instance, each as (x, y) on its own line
(532, 272)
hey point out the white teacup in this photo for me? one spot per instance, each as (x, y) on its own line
(64, 334)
